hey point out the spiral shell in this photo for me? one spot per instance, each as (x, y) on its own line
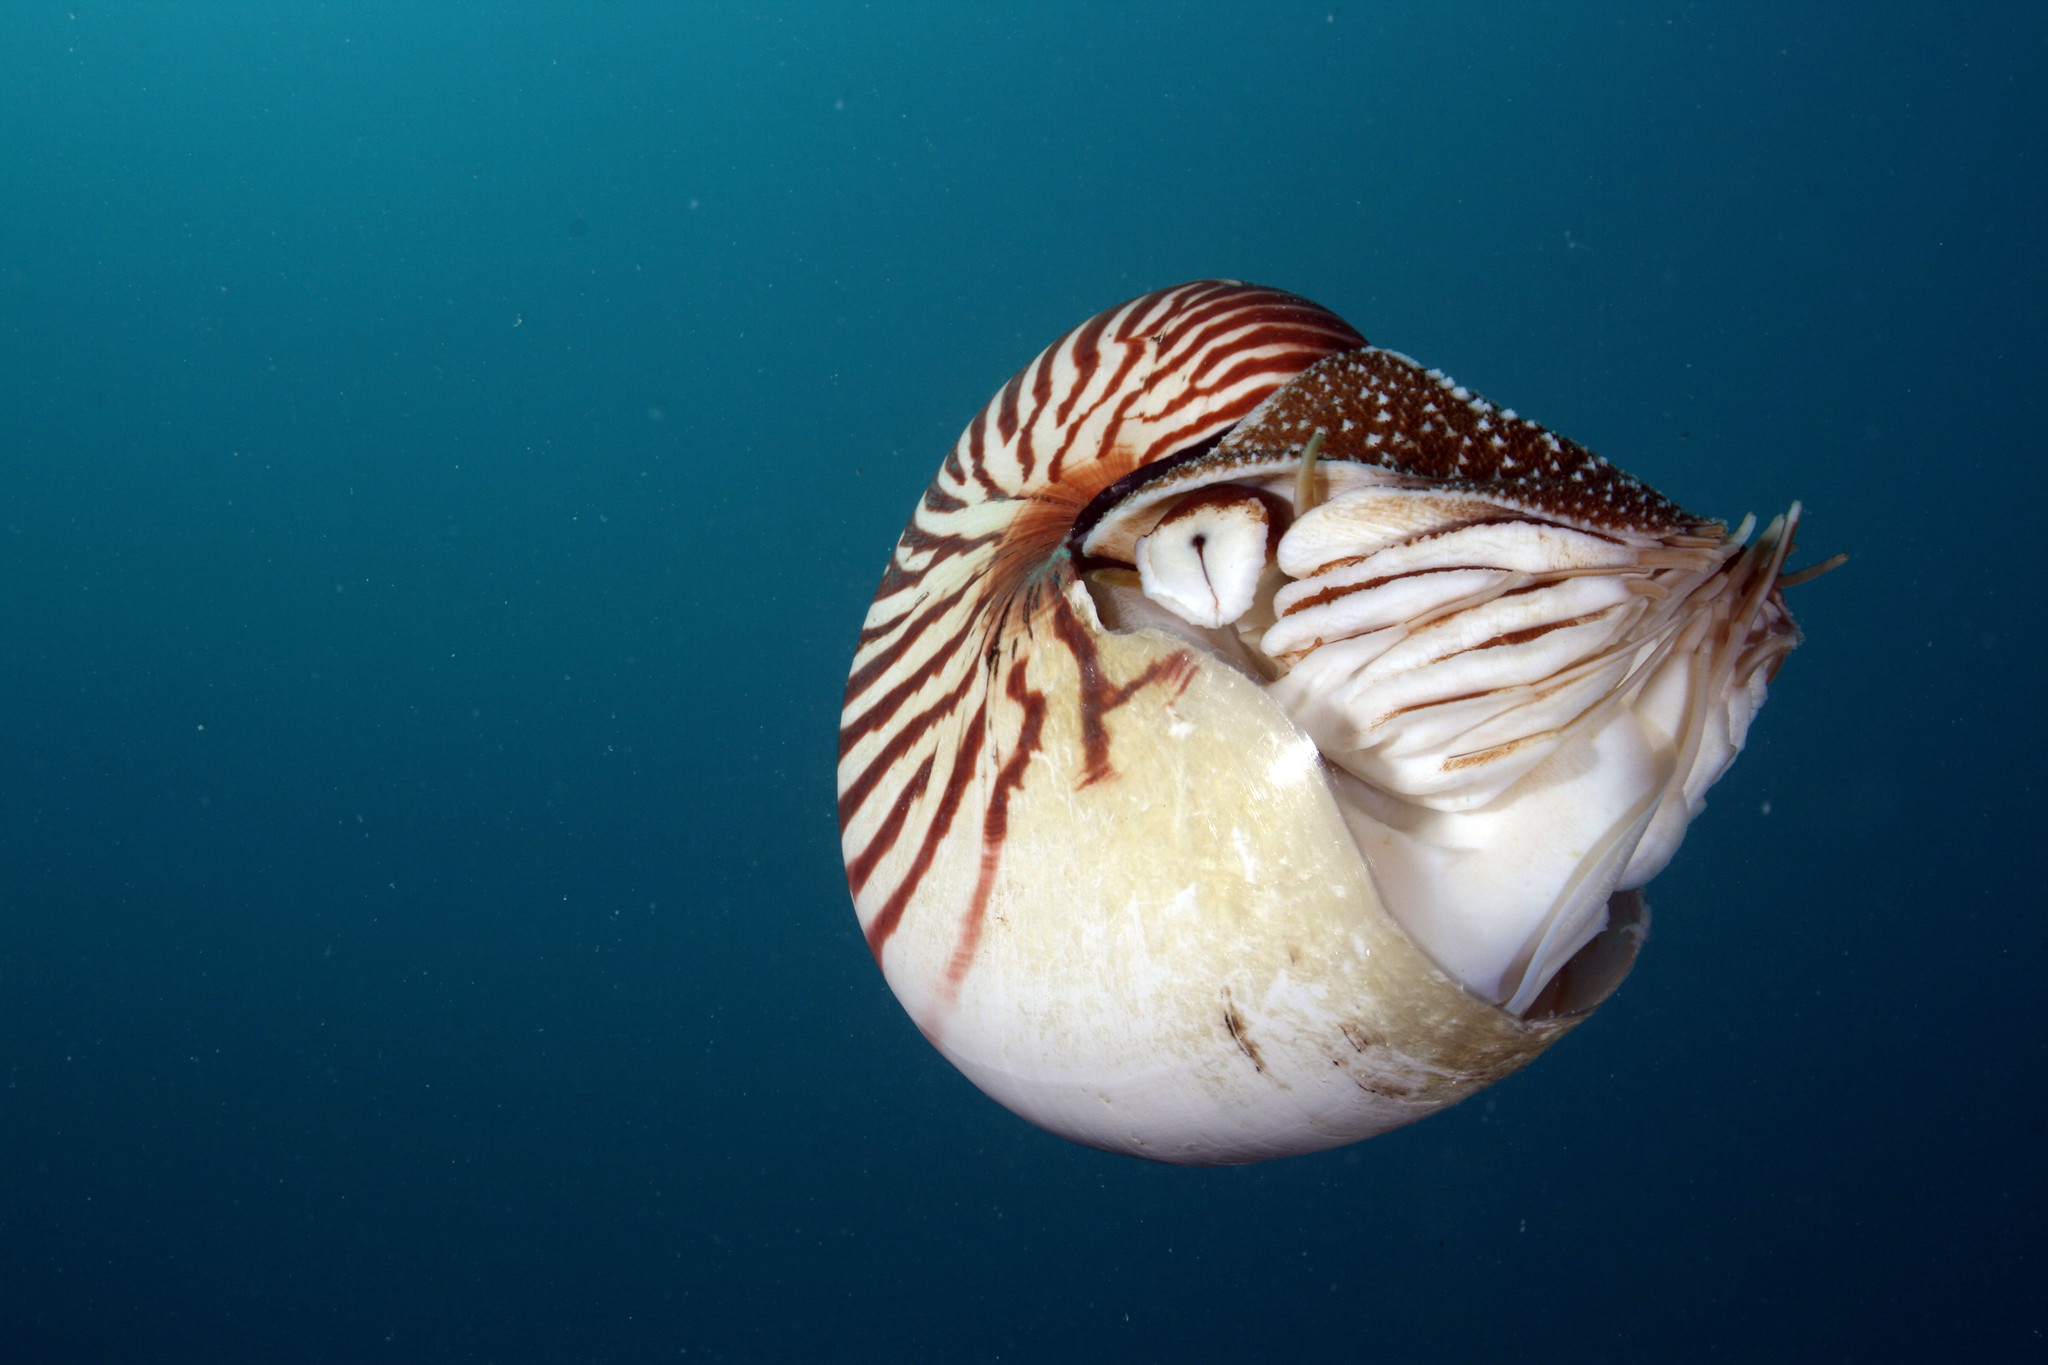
(1259, 741)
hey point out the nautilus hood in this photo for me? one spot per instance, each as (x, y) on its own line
(1259, 740)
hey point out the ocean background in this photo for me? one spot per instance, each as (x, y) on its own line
(446, 451)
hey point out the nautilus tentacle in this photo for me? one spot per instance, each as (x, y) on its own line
(1259, 741)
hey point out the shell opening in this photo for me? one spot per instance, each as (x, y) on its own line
(1520, 714)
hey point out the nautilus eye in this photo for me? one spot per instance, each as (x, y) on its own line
(1260, 741)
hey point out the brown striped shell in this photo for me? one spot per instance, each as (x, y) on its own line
(1226, 684)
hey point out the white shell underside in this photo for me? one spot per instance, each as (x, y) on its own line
(1228, 987)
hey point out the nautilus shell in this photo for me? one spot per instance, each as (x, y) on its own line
(1260, 741)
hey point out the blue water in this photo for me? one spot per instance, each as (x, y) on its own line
(445, 453)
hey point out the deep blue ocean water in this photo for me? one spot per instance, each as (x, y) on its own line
(445, 453)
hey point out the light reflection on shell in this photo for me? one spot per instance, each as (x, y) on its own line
(1259, 741)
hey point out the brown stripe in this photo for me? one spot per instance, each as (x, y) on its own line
(1041, 397)
(1098, 697)
(867, 672)
(1526, 634)
(1005, 405)
(853, 729)
(939, 502)
(860, 868)
(891, 913)
(1317, 599)
(916, 728)
(1087, 356)
(995, 825)
(915, 540)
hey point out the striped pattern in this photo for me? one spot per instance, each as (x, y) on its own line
(946, 702)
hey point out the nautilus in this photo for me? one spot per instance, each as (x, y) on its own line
(1259, 741)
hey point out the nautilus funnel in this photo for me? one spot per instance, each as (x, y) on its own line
(1259, 741)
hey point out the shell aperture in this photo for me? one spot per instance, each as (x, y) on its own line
(1259, 741)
